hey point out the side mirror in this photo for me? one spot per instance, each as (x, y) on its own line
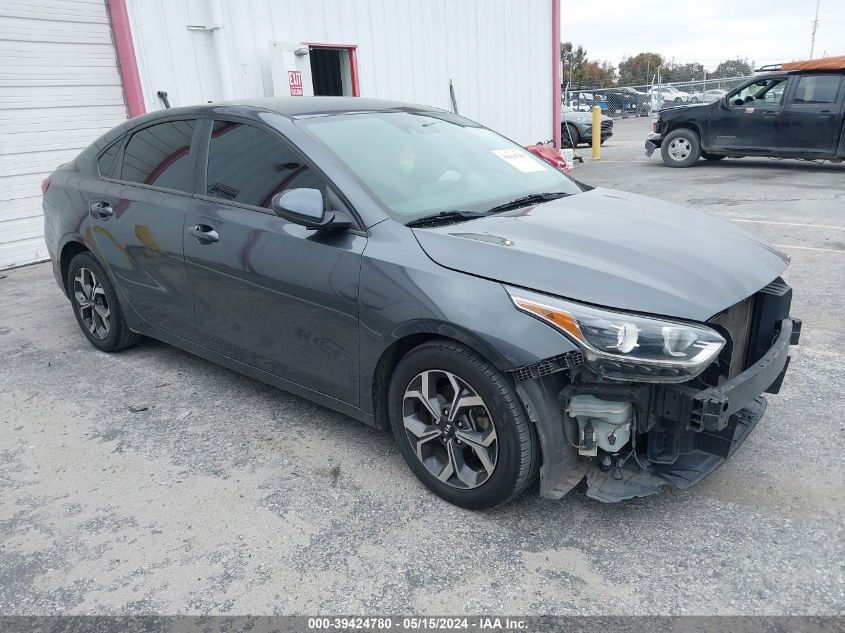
(306, 207)
(723, 102)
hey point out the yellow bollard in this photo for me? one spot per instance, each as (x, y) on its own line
(596, 132)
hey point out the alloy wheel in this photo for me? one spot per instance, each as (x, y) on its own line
(90, 298)
(680, 149)
(450, 429)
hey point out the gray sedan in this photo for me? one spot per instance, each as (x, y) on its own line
(420, 273)
(577, 127)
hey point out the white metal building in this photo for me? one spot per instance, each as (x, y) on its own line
(71, 69)
(59, 90)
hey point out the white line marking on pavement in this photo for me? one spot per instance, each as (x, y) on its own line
(814, 226)
(811, 248)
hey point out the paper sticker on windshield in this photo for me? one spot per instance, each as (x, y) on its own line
(519, 159)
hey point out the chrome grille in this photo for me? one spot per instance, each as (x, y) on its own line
(736, 321)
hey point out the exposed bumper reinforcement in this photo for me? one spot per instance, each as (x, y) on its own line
(634, 481)
(717, 404)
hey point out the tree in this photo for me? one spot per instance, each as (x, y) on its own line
(600, 75)
(574, 60)
(639, 69)
(733, 68)
(683, 72)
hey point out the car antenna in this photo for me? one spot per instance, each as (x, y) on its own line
(452, 96)
(162, 94)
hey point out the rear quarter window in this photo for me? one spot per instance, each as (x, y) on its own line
(160, 156)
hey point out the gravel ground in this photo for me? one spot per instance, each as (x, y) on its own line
(223, 495)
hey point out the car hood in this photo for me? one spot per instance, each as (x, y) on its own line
(581, 117)
(613, 249)
(686, 107)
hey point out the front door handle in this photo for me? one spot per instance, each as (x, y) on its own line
(204, 234)
(770, 113)
(101, 209)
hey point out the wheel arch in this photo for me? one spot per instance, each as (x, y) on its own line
(411, 336)
(680, 125)
(70, 249)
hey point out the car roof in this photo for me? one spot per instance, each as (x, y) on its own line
(290, 107)
(294, 107)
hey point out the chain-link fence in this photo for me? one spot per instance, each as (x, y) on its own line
(630, 101)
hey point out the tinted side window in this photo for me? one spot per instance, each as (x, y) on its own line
(108, 160)
(817, 89)
(159, 155)
(250, 166)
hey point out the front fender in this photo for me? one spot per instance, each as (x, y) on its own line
(562, 467)
(403, 293)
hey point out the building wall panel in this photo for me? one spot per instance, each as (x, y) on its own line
(497, 52)
(59, 90)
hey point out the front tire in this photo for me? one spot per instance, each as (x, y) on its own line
(681, 148)
(96, 306)
(460, 426)
(570, 136)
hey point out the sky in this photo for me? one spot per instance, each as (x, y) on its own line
(707, 31)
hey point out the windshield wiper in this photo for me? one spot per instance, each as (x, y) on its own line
(526, 200)
(444, 217)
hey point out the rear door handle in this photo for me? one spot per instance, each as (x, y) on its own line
(204, 234)
(101, 209)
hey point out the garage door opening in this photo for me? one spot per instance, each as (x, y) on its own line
(333, 72)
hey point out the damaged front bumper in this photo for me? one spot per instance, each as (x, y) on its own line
(652, 143)
(689, 433)
(679, 433)
(707, 453)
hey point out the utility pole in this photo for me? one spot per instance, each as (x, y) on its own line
(815, 26)
(568, 56)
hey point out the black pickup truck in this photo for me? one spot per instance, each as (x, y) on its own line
(781, 114)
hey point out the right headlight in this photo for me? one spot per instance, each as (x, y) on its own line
(627, 346)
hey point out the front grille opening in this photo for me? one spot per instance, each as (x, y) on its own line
(735, 325)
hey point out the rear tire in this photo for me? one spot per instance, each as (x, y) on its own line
(681, 148)
(481, 451)
(96, 306)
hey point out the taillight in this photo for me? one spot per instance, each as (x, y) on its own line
(45, 185)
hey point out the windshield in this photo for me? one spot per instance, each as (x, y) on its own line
(419, 163)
